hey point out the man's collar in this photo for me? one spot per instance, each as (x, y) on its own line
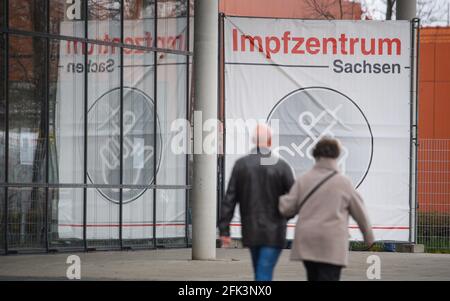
(261, 150)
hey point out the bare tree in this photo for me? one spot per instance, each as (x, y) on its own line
(429, 11)
(329, 9)
(389, 9)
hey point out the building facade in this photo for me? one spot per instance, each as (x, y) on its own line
(89, 91)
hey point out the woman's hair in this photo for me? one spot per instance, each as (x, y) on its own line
(326, 148)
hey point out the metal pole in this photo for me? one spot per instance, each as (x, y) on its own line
(406, 9)
(121, 128)
(47, 123)
(85, 125)
(205, 164)
(155, 123)
(411, 138)
(6, 98)
(416, 108)
(413, 129)
(220, 117)
(188, 61)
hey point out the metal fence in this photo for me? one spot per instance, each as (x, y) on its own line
(433, 214)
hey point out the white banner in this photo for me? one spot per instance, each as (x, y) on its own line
(103, 143)
(346, 79)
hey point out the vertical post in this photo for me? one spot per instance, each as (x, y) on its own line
(220, 114)
(85, 44)
(413, 130)
(47, 123)
(155, 123)
(188, 60)
(416, 108)
(121, 128)
(205, 164)
(411, 135)
(223, 98)
(6, 67)
(406, 9)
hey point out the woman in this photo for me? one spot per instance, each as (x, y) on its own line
(324, 199)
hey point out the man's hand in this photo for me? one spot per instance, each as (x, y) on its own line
(226, 241)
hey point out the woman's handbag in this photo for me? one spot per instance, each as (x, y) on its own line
(315, 189)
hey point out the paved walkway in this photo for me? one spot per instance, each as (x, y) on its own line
(231, 264)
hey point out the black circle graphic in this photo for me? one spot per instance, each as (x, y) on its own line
(313, 112)
(138, 142)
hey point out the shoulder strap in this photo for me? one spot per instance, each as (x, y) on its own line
(315, 189)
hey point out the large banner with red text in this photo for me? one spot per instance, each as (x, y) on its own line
(308, 79)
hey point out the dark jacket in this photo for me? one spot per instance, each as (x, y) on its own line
(257, 187)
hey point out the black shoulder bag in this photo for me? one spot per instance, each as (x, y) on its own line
(315, 189)
(364, 248)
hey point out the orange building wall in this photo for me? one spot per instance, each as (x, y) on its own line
(434, 83)
(434, 121)
(325, 9)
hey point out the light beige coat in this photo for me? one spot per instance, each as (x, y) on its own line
(321, 233)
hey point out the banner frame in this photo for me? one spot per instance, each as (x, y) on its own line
(414, 114)
(413, 191)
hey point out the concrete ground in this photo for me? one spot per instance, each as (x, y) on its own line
(231, 264)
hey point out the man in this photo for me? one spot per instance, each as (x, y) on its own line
(256, 185)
